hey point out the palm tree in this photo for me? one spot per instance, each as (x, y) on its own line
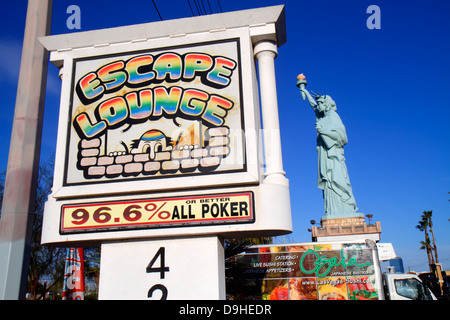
(427, 215)
(425, 245)
(423, 226)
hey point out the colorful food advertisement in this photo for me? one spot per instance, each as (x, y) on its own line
(308, 272)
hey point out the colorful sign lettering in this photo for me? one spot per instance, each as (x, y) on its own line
(161, 212)
(157, 114)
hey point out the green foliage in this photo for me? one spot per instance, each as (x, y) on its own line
(426, 225)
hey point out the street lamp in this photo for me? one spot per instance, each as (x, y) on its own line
(313, 222)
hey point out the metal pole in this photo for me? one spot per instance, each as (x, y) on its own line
(23, 162)
(378, 273)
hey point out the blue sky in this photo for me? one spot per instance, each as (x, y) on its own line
(389, 84)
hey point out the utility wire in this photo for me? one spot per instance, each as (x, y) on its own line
(157, 10)
(209, 5)
(196, 6)
(200, 7)
(203, 5)
(192, 11)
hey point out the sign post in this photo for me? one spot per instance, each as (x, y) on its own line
(160, 146)
(176, 269)
(23, 161)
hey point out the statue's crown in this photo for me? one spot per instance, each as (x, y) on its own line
(316, 95)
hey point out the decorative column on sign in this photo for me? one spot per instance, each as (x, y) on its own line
(265, 53)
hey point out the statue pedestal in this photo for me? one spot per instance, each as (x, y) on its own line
(346, 229)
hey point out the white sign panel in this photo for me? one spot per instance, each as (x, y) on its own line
(180, 269)
(386, 251)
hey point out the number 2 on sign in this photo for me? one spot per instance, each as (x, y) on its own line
(162, 269)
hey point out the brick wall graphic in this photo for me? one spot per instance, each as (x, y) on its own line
(154, 152)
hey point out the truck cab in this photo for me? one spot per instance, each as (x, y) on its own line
(398, 286)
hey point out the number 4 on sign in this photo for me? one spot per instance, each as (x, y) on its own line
(162, 268)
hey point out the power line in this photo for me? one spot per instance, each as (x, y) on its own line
(192, 11)
(200, 8)
(196, 6)
(203, 4)
(209, 5)
(157, 10)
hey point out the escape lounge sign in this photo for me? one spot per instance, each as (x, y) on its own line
(159, 131)
(156, 113)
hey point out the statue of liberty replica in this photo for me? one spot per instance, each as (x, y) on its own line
(339, 202)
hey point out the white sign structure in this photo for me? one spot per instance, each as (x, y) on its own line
(159, 133)
(163, 270)
(386, 251)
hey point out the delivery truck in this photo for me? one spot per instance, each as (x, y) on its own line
(319, 271)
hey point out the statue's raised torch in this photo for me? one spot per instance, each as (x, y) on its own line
(301, 83)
